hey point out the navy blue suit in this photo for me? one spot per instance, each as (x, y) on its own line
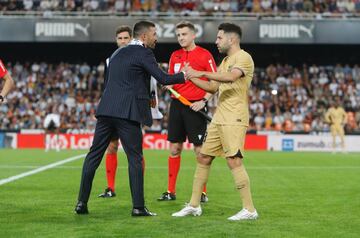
(123, 108)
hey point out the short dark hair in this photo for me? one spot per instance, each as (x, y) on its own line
(142, 27)
(187, 24)
(230, 28)
(124, 28)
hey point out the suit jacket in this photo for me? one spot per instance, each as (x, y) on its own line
(127, 90)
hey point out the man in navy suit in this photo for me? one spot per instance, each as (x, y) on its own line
(123, 108)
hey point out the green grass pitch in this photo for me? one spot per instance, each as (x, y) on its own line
(296, 195)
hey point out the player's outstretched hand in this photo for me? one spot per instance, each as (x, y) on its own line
(191, 73)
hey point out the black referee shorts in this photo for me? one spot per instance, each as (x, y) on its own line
(184, 122)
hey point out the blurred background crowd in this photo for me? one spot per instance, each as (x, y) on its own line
(282, 97)
(192, 7)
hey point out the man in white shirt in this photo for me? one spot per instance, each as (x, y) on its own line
(52, 129)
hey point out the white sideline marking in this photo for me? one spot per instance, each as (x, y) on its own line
(40, 169)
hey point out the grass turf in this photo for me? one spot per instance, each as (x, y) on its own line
(296, 195)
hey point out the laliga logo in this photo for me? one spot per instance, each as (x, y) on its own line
(286, 31)
(167, 30)
(72, 142)
(60, 29)
(62, 141)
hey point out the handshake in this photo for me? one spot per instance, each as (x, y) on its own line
(190, 73)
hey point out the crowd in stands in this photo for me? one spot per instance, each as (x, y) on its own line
(282, 97)
(185, 6)
(290, 98)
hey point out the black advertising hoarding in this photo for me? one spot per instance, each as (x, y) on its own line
(16, 30)
(338, 32)
(103, 30)
(100, 29)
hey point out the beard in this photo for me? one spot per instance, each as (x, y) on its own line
(152, 46)
(224, 49)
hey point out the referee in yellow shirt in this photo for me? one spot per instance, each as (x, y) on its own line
(337, 118)
(226, 132)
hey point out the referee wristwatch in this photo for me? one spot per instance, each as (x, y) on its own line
(1, 98)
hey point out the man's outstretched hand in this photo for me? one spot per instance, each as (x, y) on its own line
(191, 73)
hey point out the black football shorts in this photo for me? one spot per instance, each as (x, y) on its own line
(184, 122)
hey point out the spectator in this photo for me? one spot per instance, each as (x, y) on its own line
(256, 6)
(268, 121)
(266, 5)
(357, 6)
(317, 125)
(278, 120)
(259, 120)
(297, 119)
(190, 7)
(28, 4)
(332, 7)
(237, 6)
(308, 6)
(282, 6)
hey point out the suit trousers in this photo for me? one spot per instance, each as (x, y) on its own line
(130, 135)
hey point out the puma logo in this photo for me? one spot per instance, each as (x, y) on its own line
(308, 31)
(288, 31)
(82, 28)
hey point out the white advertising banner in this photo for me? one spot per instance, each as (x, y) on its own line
(311, 143)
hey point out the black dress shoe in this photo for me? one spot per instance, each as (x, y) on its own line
(142, 212)
(81, 208)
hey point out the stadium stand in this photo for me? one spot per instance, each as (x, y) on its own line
(191, 7)
(283, 97)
